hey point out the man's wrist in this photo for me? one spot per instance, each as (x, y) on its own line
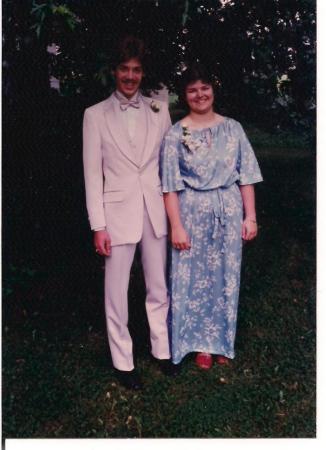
(99, 229)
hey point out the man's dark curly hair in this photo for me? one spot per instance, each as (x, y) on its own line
(129, 47)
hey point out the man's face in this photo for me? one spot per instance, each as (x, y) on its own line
(128, 76)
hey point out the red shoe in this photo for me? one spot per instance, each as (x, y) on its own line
(222, 360)
(204, 361)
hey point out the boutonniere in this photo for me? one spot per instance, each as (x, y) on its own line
(187, 140)
(154, 106)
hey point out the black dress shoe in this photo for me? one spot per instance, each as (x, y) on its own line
(168, 368)
(129, 379)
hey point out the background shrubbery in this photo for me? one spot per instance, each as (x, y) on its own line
(263, 54)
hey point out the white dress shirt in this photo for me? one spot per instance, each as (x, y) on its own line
(130, 115)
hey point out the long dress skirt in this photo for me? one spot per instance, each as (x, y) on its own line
(204, 281)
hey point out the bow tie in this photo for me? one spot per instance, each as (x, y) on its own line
(125, 103)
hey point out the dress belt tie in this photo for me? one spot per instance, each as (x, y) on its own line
(219, 216)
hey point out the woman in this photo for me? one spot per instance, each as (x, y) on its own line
(208, 169)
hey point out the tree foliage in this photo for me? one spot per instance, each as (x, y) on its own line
(262, 53)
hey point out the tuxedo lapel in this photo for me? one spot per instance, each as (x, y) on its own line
(152, 125)
(117, 130)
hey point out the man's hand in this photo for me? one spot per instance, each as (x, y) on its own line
(102, 242)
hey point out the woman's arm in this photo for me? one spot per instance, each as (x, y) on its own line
(249, 226)
(179, 237)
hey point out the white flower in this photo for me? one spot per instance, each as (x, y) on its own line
(154, 106)
(187, 140)
(53, 49)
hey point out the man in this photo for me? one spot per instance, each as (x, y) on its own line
(121, 141)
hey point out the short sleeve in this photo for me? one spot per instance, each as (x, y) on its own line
(169, 164)
(247, 165)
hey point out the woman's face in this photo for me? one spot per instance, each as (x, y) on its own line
(200, 97)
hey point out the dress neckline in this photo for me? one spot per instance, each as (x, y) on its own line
(205, 128)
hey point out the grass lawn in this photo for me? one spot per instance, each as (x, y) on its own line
(57, 375)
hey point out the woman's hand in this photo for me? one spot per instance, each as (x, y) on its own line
(249, 229)
(249, 226)
(179, 238)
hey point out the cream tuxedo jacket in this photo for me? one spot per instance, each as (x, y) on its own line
(120, 175)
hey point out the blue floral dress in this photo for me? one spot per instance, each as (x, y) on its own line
(204, 281)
